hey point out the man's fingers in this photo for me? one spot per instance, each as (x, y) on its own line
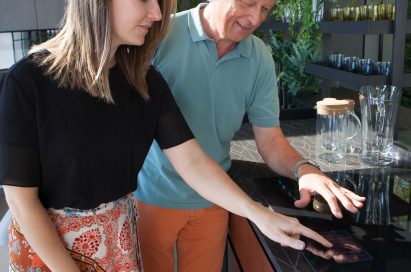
(332, 201)
(356, 199)
(343, 198)
(305, 198)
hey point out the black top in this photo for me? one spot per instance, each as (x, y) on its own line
(79, 150)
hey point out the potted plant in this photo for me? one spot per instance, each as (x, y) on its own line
(301, 45)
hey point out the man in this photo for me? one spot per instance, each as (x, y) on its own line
(218, 72)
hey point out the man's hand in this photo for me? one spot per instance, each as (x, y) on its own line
(280, 156)
(312, 181)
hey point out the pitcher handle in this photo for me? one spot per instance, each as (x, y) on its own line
(358, 121)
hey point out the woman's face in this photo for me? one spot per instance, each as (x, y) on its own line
(131, 20)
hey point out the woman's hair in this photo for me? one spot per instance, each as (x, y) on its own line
(80, 52)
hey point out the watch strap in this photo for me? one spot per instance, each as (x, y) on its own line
(294, 169)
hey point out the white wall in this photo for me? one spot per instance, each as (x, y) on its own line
(21, 15)
(6, 51)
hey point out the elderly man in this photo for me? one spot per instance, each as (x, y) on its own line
(218, 71)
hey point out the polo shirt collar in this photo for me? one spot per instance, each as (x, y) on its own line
(198, 34)
(194, 24)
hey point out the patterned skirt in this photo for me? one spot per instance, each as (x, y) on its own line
(101, 239)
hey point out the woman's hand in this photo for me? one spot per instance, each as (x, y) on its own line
(283, 229)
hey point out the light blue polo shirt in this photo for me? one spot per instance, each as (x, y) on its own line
(213, 95)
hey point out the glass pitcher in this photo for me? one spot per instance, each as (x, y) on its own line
(332, 129)
(353, 128)
(379, 106)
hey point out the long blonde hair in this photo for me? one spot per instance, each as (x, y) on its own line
(80, 52)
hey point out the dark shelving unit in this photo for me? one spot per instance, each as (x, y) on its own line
(358, 27)
(346, 79)
(341, 27)
(407, 79)
(276, 26)
(398, 27)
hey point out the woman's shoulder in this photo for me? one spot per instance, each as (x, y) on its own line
(157, 86)
(26, 68)
(154, 77)
(26, 78)
(153, 72)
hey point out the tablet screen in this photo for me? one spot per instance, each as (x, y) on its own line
(346, 249)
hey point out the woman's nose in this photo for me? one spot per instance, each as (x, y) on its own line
(154, 11)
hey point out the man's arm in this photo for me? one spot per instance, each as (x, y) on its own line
(280, 156)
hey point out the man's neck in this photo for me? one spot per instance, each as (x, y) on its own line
(207, 18)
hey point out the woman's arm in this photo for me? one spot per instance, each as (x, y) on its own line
(206, 177)
(37, 227)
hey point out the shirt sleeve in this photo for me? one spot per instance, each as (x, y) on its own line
(19, 155)
(172, 129)
(264, 108)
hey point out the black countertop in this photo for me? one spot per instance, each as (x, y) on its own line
(380, 232)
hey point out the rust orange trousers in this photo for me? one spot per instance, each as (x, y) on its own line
(199, 236)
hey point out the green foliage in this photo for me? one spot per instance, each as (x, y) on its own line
(406, 97)
(193, 3)
(409, 10)
(301, 47)
(291, 57)
(262, 35)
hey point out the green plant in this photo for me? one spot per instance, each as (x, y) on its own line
(302, 46)
(193, 3)
(290, 58)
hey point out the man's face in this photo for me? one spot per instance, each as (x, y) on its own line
(240, 18)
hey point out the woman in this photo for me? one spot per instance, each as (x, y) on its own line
(77, 117)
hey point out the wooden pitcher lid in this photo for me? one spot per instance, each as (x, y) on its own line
(351, 103)
(330, 106)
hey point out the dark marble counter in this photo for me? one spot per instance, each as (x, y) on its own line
(382, 229)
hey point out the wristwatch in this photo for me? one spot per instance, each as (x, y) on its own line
(294, 170)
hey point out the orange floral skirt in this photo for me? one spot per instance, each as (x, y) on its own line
(101, 239)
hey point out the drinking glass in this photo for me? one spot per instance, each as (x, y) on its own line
(336, 60)
(381, 11)
(366, 66)
(363, 12)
